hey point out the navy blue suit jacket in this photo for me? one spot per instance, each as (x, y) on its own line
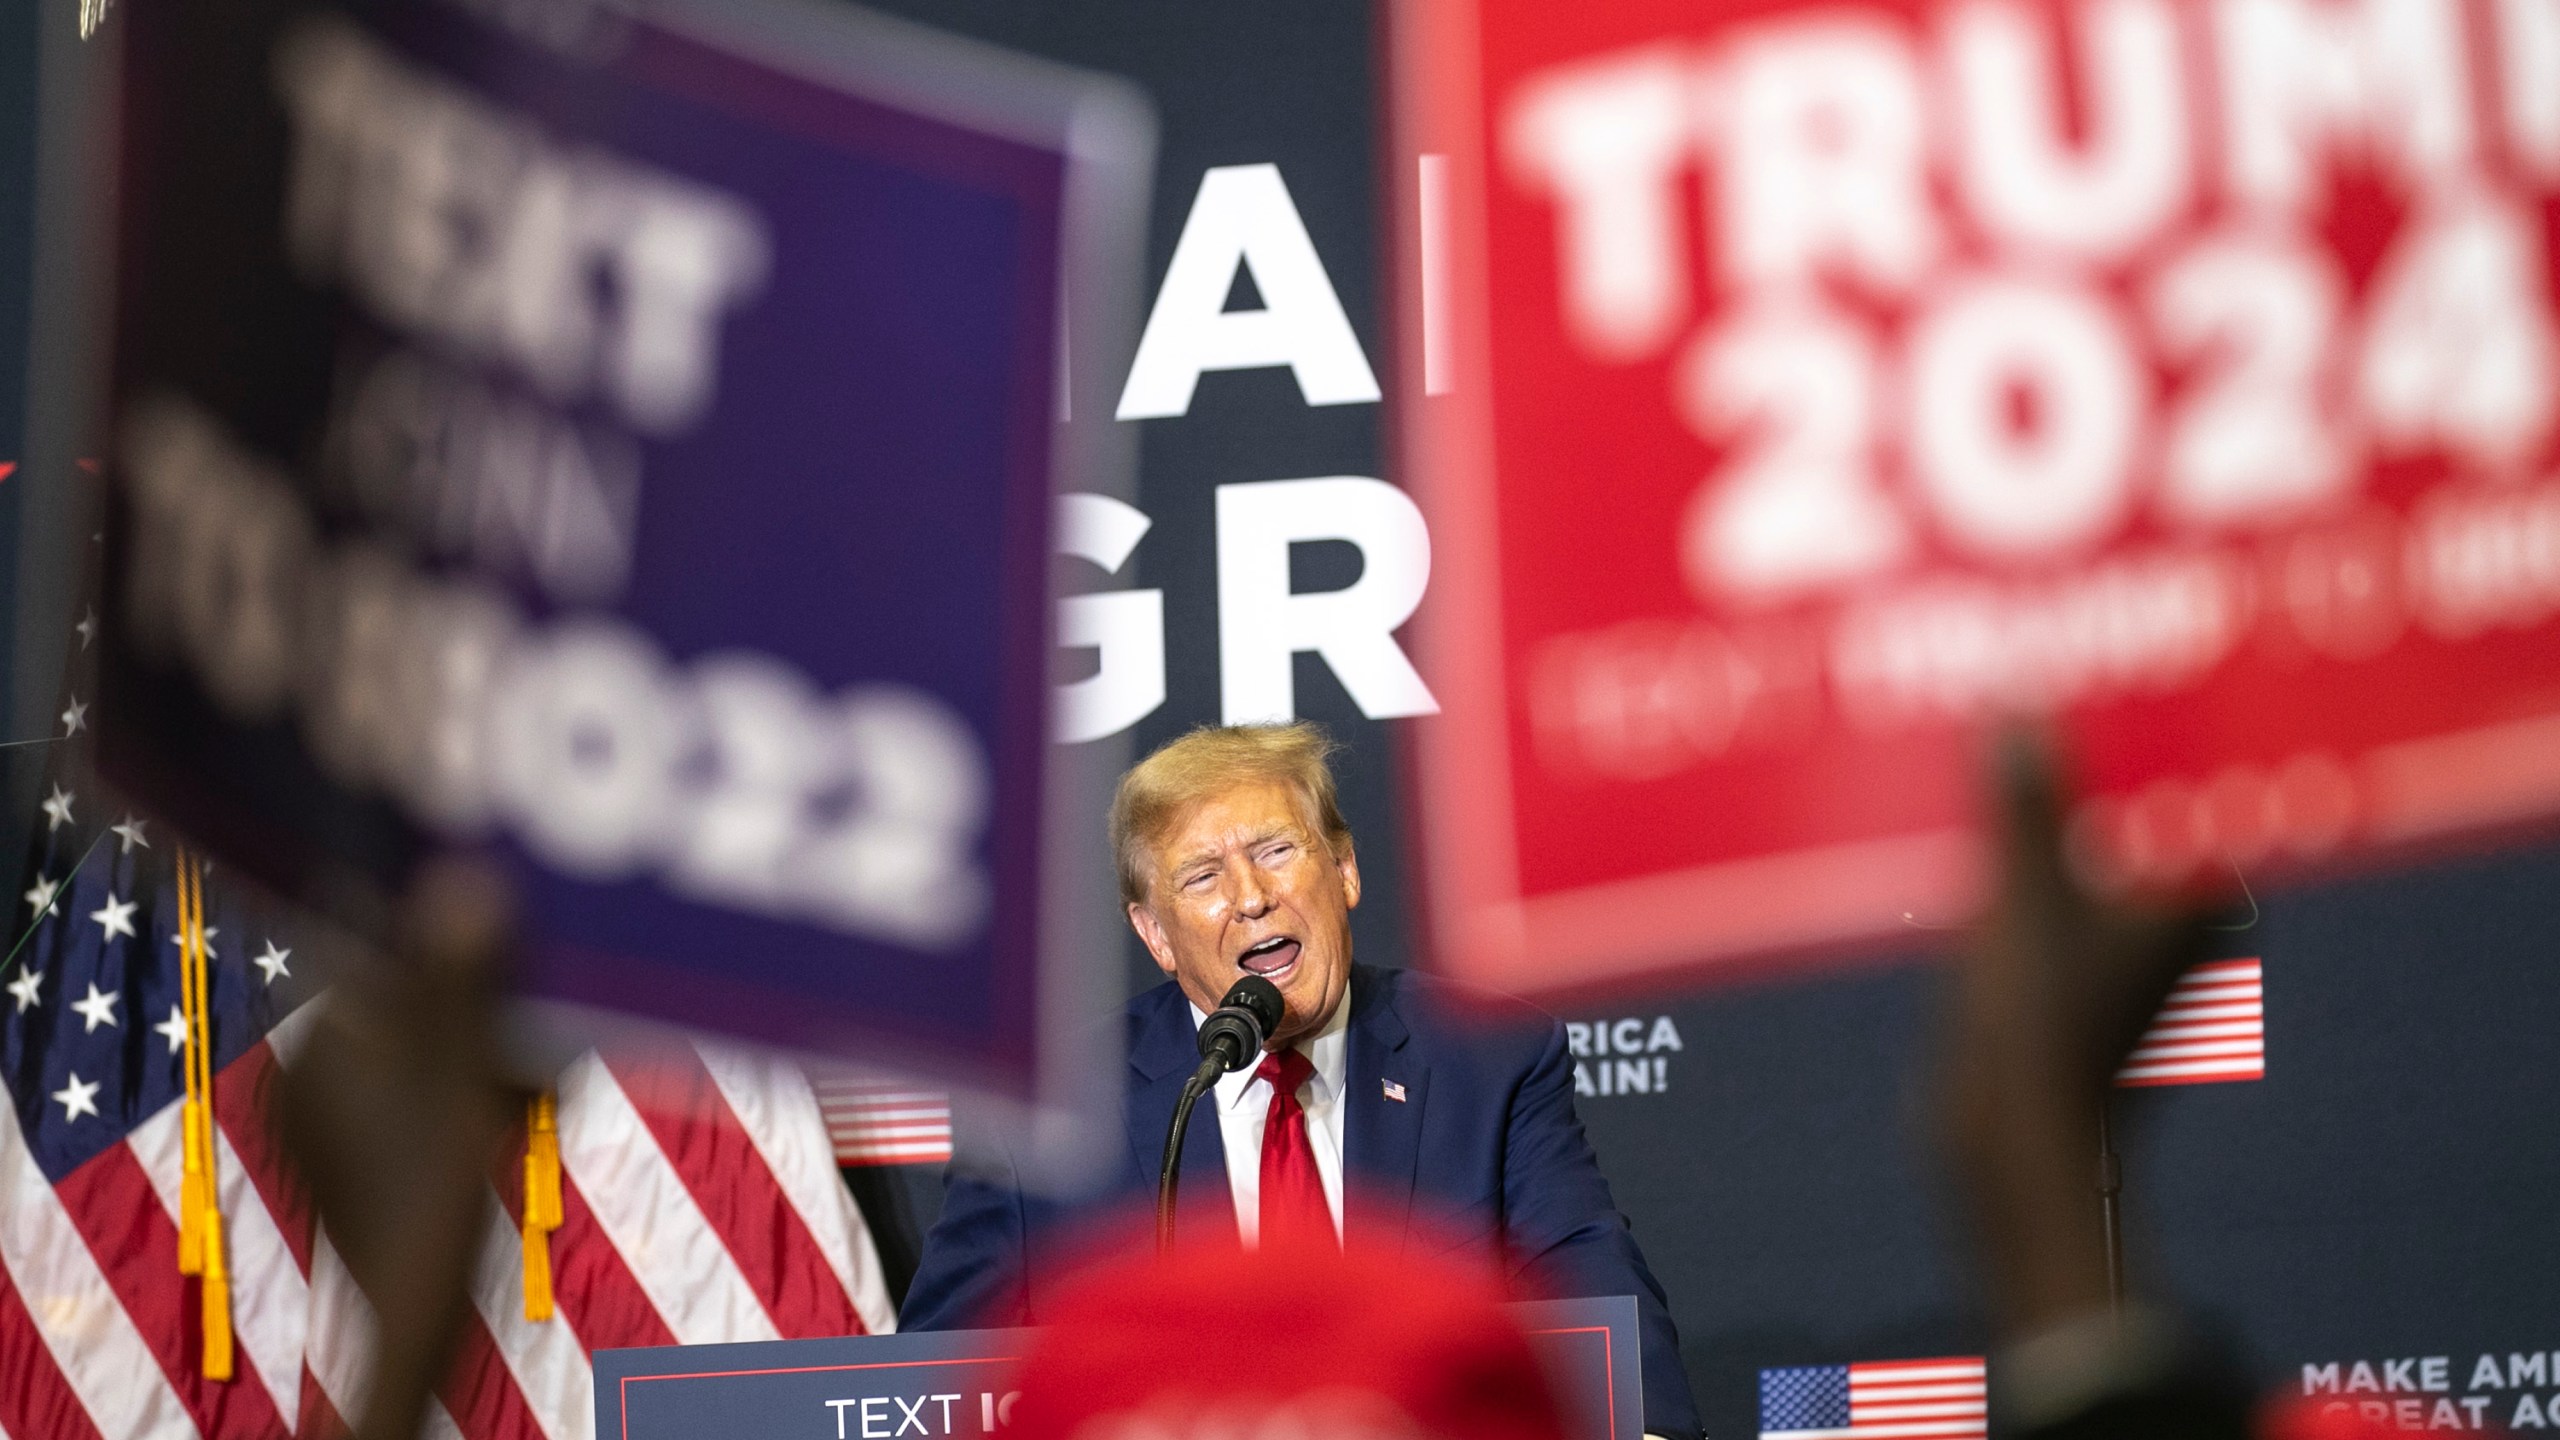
(1484, 1151)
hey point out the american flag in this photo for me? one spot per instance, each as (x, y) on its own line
(699, 1198)
(873, 1120)
(1874, 1400)
(2213, 1027)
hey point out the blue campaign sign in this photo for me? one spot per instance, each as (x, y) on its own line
(958, 1382)
(622, 439)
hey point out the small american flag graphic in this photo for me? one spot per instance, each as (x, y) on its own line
(1938, 1399)
(876, 1121)
(2213, 1027)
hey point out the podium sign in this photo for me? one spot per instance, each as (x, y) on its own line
(1799, 388)
(957, 1382)
(946, 1383)
(621, 437)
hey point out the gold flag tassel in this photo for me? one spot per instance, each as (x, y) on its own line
(191, 1008)
(217, 1300)
(541, 1200)
(199, 1194)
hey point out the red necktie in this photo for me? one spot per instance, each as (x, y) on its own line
(1292, 1192)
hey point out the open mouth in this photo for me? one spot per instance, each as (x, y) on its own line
(1271, 959)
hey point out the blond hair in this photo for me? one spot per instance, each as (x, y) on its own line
(1185, 771)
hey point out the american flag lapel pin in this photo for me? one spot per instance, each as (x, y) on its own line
(1392, 1090)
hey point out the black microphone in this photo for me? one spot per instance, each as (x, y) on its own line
(1229, 1039)
(1234, 1033)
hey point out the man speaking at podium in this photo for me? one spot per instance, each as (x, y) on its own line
(1374, 1111)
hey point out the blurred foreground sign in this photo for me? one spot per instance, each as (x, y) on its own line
(1811, 383)
(623, 438)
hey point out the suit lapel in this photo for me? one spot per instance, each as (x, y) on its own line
(1382, 1137)
(1163, 1048)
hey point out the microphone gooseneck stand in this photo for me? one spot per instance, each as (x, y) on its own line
(1169, 1178)
(2111, 1212)
(1230, 1037)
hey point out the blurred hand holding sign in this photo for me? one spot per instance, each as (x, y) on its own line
(622, 437)
(2184, 369)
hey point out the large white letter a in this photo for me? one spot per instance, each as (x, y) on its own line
(1243, 215)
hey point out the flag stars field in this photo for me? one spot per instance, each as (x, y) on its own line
(57, 809)
(115, 917)
(270, 961)
(96, 1009)
(78, 1098)
(40, 894)
(129, 834)
(26, 988)
(175, 1028)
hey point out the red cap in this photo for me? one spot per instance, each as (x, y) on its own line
(1282, 1343)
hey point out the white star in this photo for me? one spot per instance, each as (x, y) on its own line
(41, 893)
(75, 719)
(57, 809)
(78, 1098)
(130, 832)
(98, 1009)
(116, 917)
(271, 960)
(175, 1027)
(88, 627)
(25, 987)
(179, 939)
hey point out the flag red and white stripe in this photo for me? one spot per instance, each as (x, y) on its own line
(877, 1121)
(2213, 1027)
(701, 1203)
(1942, 1399)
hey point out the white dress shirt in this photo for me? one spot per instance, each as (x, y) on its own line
(1244, 1103)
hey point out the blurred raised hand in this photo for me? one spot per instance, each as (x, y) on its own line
(2055, 984)
(395, 1113)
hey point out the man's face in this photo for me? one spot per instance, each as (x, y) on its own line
(1243, 883)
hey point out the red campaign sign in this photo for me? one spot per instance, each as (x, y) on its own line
(1805, 385)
